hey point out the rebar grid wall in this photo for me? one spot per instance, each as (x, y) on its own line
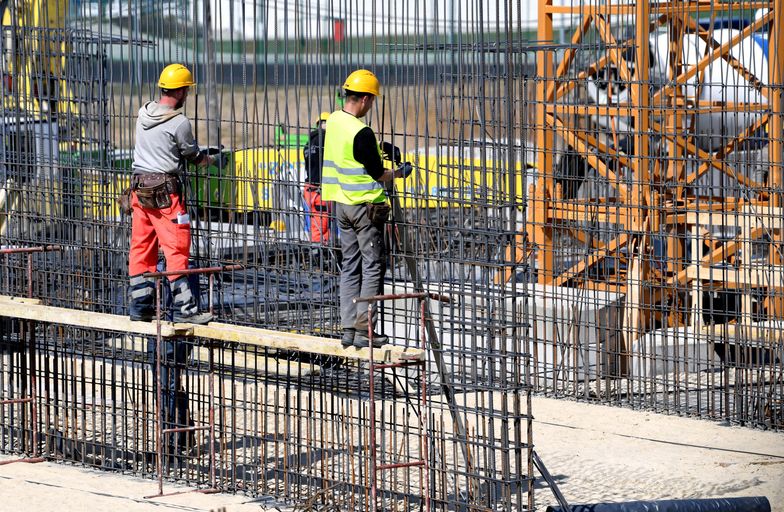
(655, 224)
(455, 90)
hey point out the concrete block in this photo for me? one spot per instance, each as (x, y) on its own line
(673, 350)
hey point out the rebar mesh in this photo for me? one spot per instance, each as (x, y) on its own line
(288, 424)
(597, 187)
(655, 220)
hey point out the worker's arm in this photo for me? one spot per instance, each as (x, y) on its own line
(366, 153)
(189, 148)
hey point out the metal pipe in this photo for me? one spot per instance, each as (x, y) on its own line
(750, 504)
(211, 376)
(424, 412)
(189, 271)
(159, 383)
(185, 429)
(372, 435)
(26, 250)
(395, 296)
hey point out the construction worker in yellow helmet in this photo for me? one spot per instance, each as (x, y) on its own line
(321, 120)
(164, 146)
(313, 155)
(354, 177)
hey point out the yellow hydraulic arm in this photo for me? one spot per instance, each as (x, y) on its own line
(33, 54)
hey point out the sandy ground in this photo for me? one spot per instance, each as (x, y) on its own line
(599, 453)
(596, 453)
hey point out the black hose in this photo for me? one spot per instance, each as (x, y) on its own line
(751, 504)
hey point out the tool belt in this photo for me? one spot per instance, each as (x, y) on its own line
(154, 190)
(378, 213)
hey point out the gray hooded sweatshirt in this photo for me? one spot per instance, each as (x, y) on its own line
(164, 140)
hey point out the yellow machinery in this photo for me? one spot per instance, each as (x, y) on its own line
(33, 60)
(440, 181)
(31, 70)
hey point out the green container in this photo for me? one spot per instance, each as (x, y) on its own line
(211, 187)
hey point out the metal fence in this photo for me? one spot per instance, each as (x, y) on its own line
(597, 187)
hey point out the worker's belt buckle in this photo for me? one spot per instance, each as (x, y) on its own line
(378, 213)
(154, 190)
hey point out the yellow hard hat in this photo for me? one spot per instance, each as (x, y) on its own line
(322, 117)
(363, 80)
(175, 76)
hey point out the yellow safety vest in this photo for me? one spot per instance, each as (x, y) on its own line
(343, 179)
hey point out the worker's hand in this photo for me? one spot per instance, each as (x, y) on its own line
(390, 152)
(405, 169)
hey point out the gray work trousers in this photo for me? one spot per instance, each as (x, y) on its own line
(364, 264)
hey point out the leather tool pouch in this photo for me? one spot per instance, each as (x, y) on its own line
(378, 213)
(154, 190)
(124, 201)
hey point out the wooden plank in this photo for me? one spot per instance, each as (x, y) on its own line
(766, 215)
(569, 56)
(721, 252)
(771, 277)
(545, 142)
(302, 343)
(578, 142)
(14, 307)
(703, 155)
(752, 332)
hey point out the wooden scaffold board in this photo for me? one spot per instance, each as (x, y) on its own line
(32, 309)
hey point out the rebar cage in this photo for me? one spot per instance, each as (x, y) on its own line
(597, 189)
(450, 433)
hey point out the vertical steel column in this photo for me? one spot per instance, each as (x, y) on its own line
(423, 461)
(210, 427)
(371, 378)
(29, 331)
(158, 387)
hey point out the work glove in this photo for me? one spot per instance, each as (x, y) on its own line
(390, 152)
(405, 169)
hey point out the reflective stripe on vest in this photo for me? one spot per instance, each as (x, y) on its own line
(343, 178)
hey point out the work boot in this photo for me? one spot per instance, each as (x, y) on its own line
(348, 337)
(184, 304)
(142, 306)
(361, 339)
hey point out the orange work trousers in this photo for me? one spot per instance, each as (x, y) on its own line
(319, 214)
(151, 229)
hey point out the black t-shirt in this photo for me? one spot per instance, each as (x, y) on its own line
(366, 152)
(313, 155)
